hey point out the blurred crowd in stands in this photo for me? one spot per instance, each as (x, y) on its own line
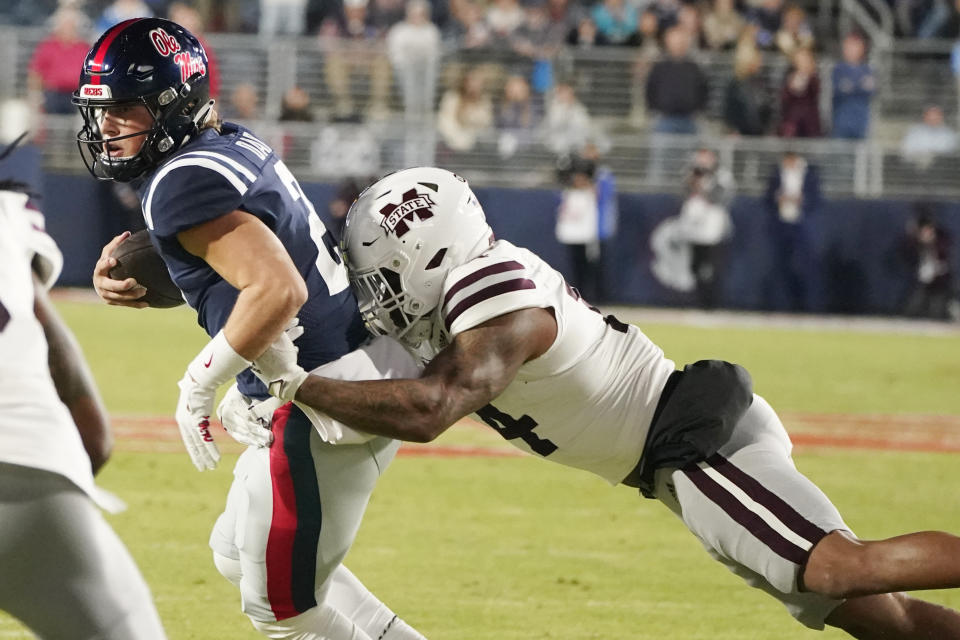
(395, 48)
(396, 45)
(670, 38)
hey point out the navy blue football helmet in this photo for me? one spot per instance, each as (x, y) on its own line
(144, 61)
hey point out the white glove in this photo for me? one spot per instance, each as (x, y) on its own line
(277, 367)
(213, 366)
(247, 422)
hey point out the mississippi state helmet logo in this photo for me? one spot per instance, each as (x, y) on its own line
(396, 217)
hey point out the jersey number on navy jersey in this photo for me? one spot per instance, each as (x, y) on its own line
(329, 263)
(510, 428)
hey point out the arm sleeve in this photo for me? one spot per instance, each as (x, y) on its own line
(189, 191)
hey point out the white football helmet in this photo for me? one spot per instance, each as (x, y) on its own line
(402, 236)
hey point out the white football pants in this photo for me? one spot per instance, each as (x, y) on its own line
(63, 571)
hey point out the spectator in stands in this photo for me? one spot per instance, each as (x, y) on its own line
(295, 106)
(705, 223)
(765, 15)
(561, 18)
(504, 17)
(647, 55)
(540, 40)
(650, 46)
(191, 20)
(747, 102)
(52, 73)
(676, 87)
(465, 112)
(927, 247)
(383, 14)
(568, 126)
(926, 140)
(244, 103)
(616, 21)
(793, 200)
(666, 12)
(282, 17)
(586, 219)
(853, 87)
(800, 98)
(353, 48)
(723, 25)
(120, 10)
(689, 19)
(413, 46)
(585, 35)
(517, 116)
(795, 32)
(414, 49)
(468, 30)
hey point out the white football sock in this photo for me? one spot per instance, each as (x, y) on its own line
(322, 622)
(348, 595)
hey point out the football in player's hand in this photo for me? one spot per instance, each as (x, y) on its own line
(138, 259)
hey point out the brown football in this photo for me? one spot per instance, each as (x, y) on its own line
(138, 259)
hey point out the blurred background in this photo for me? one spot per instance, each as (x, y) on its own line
(741, 154)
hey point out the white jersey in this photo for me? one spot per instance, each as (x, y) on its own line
(36, 429)
(589, 400)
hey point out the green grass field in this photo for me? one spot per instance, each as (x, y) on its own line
(510, 548)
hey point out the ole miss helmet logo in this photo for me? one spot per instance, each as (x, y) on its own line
(163, 42)
(167, 45)
(396, 217)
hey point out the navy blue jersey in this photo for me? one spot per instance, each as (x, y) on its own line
(218, 173)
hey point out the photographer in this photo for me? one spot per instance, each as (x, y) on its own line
(705, 223)
(586, 217)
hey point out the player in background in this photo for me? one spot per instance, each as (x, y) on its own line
(65, 573)
(244, 245)
(507, 339)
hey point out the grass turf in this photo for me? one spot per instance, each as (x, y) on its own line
(484, 548)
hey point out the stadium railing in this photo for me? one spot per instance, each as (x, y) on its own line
(327, 152)
(608, 80)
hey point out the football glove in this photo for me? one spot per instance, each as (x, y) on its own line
(277, 367)
(213, 366)
(248, 422)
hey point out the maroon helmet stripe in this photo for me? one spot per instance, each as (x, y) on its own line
(479, 274)
(108, 39)
(486, 293)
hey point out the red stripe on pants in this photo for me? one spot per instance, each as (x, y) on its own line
(283, 524)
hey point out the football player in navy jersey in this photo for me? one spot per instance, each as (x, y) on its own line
(244, 245)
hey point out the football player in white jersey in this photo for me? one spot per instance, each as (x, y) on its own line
(65, 573)
(505, 338)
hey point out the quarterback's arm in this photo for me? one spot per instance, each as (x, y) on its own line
(473, 370)
(73, 381)
(245, 253)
